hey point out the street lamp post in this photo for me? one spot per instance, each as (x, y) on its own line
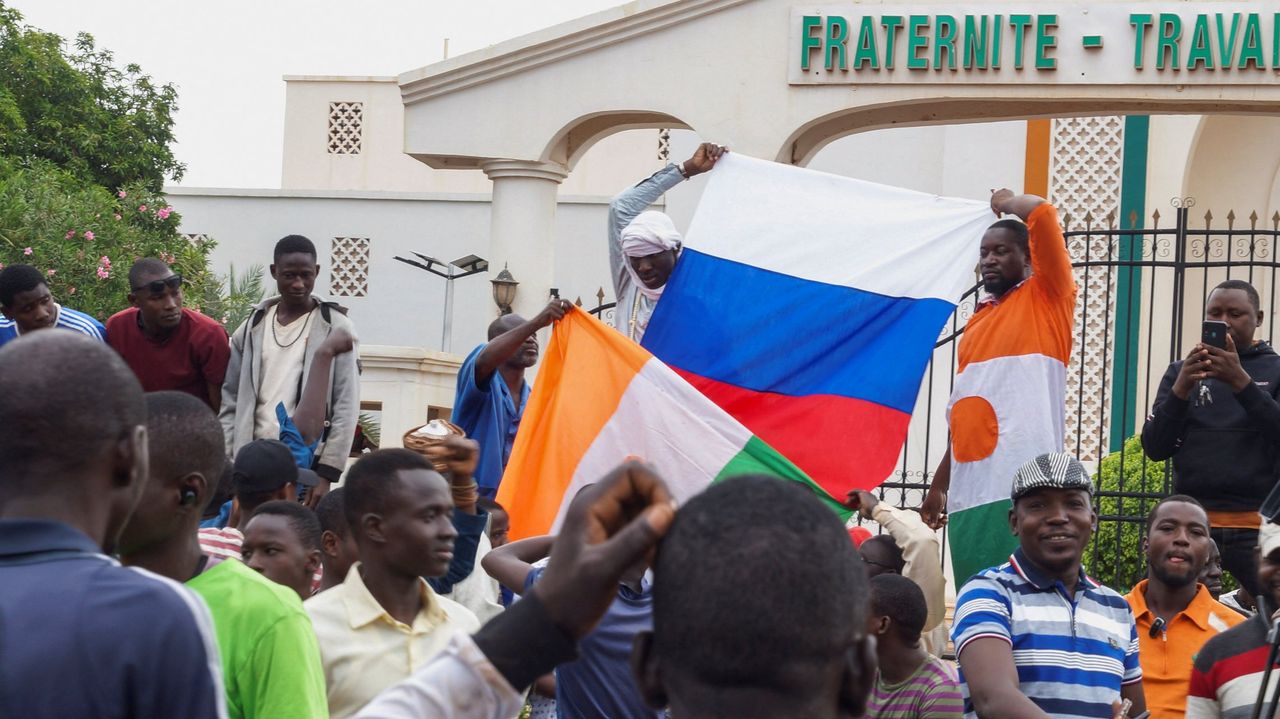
(450, 271)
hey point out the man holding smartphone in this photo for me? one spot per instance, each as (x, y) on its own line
(1216, 414)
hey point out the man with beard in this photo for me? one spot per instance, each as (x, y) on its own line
(1012, 356)
(1174, 613)
(488, 411)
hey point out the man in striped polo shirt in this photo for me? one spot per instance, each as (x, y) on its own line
(1228, 670)
(1035, 637)
(28, 306)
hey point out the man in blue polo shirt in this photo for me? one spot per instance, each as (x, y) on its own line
(1035, 637)
(27, 306)
(81, 636)
(488, 411)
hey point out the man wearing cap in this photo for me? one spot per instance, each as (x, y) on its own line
(1174, 612)
(1036, 637)
(644, 246)
(1228, 670)
(264, 470)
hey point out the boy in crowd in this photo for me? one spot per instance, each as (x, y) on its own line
(270, 662)
(338, 550)
(282, 542)
(384, 612)
(911, 683)
(263, 471)
(28, 306)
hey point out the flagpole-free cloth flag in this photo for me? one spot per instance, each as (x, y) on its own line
(807, 305)
(601, 398)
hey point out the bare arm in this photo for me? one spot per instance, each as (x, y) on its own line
(309, 415)
(215, 396)
(1133, 692)
(934, 508)
(501, 348)
(511, 563)
(1004, 202)
(987, 663)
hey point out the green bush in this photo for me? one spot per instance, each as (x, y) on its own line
(84, 237)
(1115, 556)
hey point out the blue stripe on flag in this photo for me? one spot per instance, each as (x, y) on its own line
(769, 332)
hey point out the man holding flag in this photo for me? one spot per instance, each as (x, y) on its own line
(1008, 404)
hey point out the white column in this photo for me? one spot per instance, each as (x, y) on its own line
(522, 227)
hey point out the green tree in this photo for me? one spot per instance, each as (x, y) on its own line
(84, 237)
(77, 110)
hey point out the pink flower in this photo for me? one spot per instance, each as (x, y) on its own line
(167, 257)
(103, 274)
(71, 291)
(105, 261)
(26, 250)
(122, 194)
(88, 235)
(1, 265)
(142, 208)
(70, 234)
(117, 217)
(51, 273)
(163, 213)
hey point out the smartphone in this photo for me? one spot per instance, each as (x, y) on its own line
(1214, 334)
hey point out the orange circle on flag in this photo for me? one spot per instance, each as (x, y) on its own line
(974, 430)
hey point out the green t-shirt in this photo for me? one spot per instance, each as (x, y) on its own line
(270, 659)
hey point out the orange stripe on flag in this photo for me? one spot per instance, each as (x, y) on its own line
(585, 371)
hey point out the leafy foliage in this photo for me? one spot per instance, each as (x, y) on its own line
(1115, 557)
(232, 298)
(77, 110)
(84, 237)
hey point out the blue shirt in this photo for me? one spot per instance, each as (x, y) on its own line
(599, 682)
(1072, 653)
(486, 411)
(81, 636)
(68, 319)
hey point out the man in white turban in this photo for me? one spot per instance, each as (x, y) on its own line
(644, 245)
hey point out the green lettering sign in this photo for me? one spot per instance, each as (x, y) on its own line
(1251, 49)
(945, 42)
(1167, 42)
(917, 42)
(865, 53)
(1045, 41)
(837, 35)
(975, 42)
(1019, 23)
(997, 31)
(891, 24)
(1140, 23)
(1199, 53)
(1227, 45)
(808, 43)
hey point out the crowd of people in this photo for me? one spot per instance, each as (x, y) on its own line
(171, 532)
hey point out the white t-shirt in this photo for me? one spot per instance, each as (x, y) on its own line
(284, 351)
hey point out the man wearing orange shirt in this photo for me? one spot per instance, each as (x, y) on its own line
(1175, 614)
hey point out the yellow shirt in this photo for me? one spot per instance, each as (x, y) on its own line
(1166, 658)
(364, 650)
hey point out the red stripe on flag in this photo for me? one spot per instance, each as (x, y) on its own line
(870, 436)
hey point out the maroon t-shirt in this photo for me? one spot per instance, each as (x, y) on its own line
(190, 359)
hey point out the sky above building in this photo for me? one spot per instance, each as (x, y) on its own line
(228, 58)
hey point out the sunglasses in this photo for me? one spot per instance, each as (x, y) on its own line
(158, 287)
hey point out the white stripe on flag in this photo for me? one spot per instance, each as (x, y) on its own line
(666, 422)
(1026, 393)
(852, 233)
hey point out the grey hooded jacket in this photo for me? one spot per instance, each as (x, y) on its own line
(244, 375)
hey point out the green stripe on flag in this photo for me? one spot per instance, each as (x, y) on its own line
(759, 458)
(979, 538)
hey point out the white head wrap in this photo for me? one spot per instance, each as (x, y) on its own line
(649, 233)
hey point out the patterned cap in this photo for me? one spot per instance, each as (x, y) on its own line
(1055, 470)
(1268, 537)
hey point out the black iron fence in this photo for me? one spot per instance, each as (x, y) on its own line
(1142, 288)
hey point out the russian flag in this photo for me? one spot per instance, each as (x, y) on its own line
(807, 305)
